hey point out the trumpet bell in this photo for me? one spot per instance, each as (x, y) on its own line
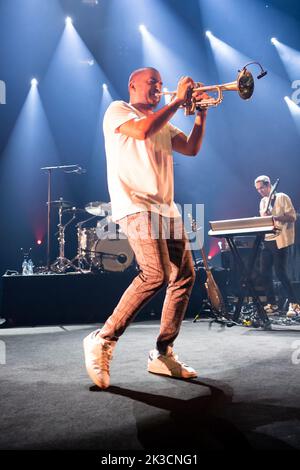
(245, 84)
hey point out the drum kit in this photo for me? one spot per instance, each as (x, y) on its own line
(102, 248)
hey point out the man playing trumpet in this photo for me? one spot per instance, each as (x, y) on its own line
(139, 143)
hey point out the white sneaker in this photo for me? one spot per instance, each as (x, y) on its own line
(293, 311)
(271, 309)
(168, 364)
(98, 354)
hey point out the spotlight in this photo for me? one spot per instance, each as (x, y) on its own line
(274, 41)
(34, 82)
(68, 20)
(104, 86)
(142, 28)
(208, 34)
(39, 242)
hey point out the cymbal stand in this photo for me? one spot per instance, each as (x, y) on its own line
(49, 170)
(61, 264)
(67, 169)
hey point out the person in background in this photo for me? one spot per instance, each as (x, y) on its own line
(276, 246)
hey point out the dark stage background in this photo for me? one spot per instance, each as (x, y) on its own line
(81, 67)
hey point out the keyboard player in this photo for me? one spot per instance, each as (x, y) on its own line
(275, 250)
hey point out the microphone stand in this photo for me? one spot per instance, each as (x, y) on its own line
(49, 217)
(67, 168)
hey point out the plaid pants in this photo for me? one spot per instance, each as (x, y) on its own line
(160, 247)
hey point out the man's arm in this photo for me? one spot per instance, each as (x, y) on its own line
(144, 127)
(191, 145)
(286, 218)
(288, 212)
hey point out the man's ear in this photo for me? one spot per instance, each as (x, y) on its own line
(131, 86)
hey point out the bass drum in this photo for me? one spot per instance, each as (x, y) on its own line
(112, 253)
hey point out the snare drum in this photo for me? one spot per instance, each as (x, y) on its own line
(87, 239)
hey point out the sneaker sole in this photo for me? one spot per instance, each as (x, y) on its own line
(169, 374)
(173, 376)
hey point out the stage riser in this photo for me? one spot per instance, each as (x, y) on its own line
(81, 298)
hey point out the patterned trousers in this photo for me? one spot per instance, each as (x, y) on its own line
(162, 253)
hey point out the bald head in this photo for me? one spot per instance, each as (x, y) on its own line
(144, 85)
(136, 74)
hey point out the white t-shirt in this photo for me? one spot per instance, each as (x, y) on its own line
(282, 206)
(139, 172)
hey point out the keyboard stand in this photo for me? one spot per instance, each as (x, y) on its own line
(246, 284)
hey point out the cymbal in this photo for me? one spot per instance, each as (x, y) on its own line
(74, 209)
(61, 203)
(98, 208)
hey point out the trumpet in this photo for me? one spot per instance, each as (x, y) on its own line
(244, 85)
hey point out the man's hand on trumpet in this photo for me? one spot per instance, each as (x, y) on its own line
(198, 96)
(185, 96)
(184, 87)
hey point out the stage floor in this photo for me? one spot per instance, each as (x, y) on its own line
(247, 394)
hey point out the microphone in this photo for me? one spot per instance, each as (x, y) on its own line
(66, 168)
(80, 170)
(262, 74)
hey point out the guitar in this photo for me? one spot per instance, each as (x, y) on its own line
(213, 292)
(268, 209)
(270, 197)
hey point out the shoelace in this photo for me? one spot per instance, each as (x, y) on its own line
(106, 356)
(175, 357)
